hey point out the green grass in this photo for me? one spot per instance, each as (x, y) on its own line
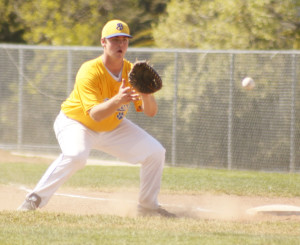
(231, 182)
(175, 180)
(52, 228)
(48, 228)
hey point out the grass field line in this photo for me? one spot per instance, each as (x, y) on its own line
(198, 209)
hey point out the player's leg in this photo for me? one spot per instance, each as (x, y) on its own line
(130, 143)
(75, 141)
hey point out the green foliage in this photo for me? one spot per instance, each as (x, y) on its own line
(266, 24)
(11, 26)
(60, 22)
(217, 24)
(205, 24)
(76, 22)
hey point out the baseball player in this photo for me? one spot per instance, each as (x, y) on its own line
(93, 117)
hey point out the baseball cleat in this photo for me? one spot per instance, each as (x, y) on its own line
(155, 212)
(31, 203)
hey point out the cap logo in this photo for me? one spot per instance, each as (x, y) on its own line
(115, 28)
(119, 26)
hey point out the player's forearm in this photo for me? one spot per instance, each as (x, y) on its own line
(105, 109)
(149, 105)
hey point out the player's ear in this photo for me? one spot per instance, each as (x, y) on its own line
(103, 42)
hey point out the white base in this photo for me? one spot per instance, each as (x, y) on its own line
(277, 209)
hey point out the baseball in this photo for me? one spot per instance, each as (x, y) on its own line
(248, 83)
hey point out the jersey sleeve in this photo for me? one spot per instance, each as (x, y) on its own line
(138, 105)
(88, 89)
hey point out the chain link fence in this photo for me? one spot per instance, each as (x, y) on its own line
(205, 118)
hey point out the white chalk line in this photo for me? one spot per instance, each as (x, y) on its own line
(199, 209)
(80, 196)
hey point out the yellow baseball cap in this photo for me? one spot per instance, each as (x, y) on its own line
(115, 28)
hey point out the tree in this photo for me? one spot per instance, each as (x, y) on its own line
(151, 10)
(11, 26)
(79, 22)
(232, 24)
(54, 22)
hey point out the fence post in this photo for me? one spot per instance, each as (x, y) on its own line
(292, 129)
(20, 99)
(174, 121)
(69, 71)
(230, 112)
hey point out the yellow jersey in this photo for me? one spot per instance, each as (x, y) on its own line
(94, 85)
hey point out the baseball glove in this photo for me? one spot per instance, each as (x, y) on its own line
(143, 78)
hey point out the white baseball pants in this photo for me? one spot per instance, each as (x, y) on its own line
(127, 142)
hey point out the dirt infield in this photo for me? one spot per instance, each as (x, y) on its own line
(88, 202)
(85, 202)
(11, 157)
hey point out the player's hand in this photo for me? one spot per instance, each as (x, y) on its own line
(126, 94)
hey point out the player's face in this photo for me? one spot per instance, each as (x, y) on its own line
(116, 46)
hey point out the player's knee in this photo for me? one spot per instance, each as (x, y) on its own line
(78, 161)
(160, 150)
(158, 153)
